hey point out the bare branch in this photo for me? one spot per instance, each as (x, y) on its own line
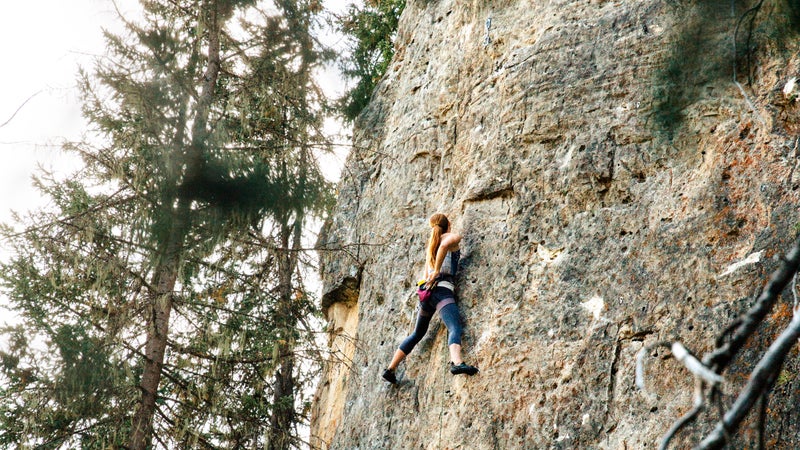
(681, 355)
(702, 376)
(20, 107)
(689, 417)
(721, 357)
(758, 384)
(694, 365)
(764, 374)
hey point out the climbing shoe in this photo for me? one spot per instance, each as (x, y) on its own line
(389, 376)
(463, 368)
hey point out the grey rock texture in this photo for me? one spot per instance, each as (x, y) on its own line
(614, 188)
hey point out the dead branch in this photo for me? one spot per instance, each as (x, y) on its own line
(762, 378)
(722, 355)
(757, 385)
(20, 107)
(689, 417)
(703, 376)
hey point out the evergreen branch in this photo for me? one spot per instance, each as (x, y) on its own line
(216, 308)
(106, 203)
(197, 375)
(112, 259)
(202, 440)
(258, 359)
(263, 243)
(157, 436)
(64, 436)
(186, 11)
(116, 239)
(688, 418)
(96, 158)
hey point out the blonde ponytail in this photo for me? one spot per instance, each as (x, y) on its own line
(439, 225)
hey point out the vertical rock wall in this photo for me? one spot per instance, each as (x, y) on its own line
(614, 188)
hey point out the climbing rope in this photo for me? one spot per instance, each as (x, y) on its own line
(441, 403)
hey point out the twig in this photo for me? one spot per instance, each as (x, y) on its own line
(754, 10)
(762, 377)
(20, 107)
(702, 375)
(694, 365)
(794, 293)
(689, 417)
(762, 419)
(683, 356)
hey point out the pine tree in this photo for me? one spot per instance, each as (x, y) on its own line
(161, 297)
(371, 29)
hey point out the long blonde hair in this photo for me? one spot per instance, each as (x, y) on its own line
(439, 225)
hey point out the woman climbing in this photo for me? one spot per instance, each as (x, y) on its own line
(441, 263)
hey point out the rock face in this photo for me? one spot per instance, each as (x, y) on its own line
(614, 187)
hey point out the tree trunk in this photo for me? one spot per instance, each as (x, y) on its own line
(280, 434)
(167, 269)
(282, 419)
(157, 333)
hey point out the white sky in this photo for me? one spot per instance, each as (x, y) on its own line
(43, 42)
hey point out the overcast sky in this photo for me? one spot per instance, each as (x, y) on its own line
(43, 42)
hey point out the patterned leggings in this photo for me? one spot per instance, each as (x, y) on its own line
(451, 319)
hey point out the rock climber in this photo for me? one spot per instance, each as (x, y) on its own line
(441, 263)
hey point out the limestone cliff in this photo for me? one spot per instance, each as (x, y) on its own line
(614, 188)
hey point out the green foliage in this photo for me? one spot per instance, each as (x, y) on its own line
(208, 189)
(786, 376)
(70, 380)
(371, 29)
